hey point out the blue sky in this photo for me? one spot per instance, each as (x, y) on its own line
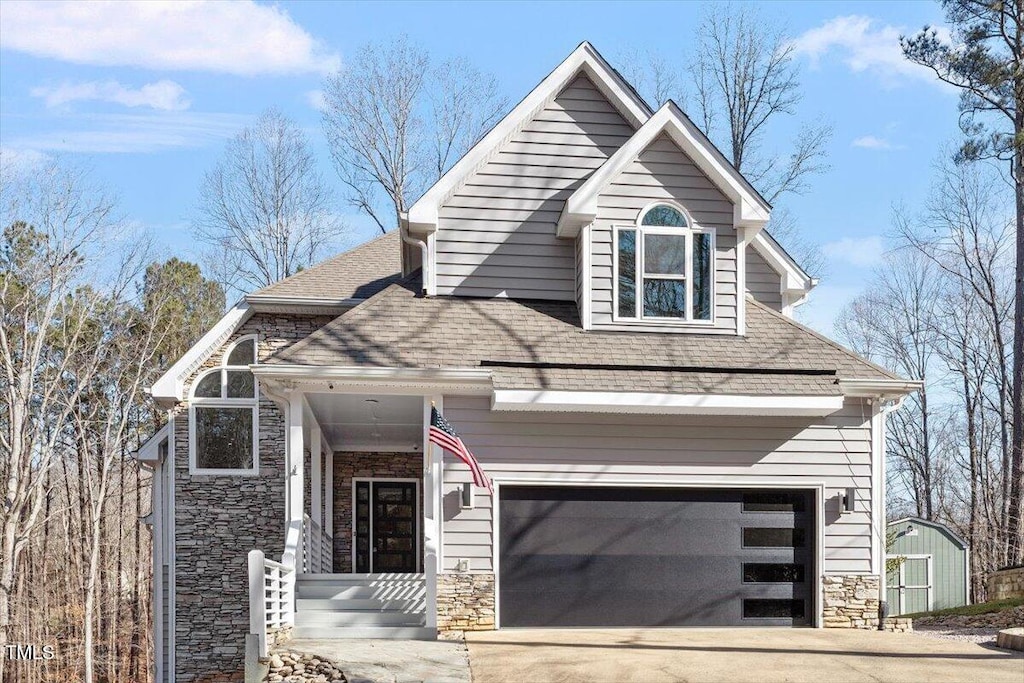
(148, 93)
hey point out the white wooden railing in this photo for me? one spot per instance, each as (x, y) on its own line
(271, 597)
(317, 550)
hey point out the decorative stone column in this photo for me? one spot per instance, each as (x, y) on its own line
(465, 602)
(850, 600)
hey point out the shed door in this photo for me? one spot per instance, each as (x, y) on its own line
(602, 556)
(910, 587)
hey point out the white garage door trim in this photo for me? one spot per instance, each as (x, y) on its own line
(737, 483)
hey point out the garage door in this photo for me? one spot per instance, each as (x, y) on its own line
(600, 556)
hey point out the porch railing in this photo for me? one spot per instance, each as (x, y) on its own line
(271, 598)
(317, 548)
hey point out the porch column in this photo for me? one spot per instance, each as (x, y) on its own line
(329, 505)
(432, 473)
(315, 489)
(294, 478)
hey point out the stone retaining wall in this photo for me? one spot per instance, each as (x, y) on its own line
(1006, 583)
(465, 602)
(850, 601)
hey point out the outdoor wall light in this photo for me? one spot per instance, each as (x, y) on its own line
(849, 499)
(467, 496)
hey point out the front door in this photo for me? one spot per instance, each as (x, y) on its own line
(386, 527)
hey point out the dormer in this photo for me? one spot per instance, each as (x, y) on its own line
(582, 193)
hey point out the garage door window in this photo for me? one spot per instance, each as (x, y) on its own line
(760, 608)
(772, 572)
(773, 502)
(768, 537)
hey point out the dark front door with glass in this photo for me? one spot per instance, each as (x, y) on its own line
(386, 515)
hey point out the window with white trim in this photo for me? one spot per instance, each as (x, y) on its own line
(224, 413)
(664, 267)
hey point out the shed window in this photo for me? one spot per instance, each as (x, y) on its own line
(223, 415)
(665, 267)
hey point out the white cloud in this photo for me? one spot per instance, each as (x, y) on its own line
(12, 158)
(316, 99)
(164, 95)
(865, 46)
(876, 143)
(860, 252)
(239, 37)
(133, 133)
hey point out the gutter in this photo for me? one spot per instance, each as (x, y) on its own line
(890, 389)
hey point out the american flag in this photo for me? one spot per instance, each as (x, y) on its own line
(445, 436)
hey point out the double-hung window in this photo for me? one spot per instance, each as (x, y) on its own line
(224, 413)
(664, 268)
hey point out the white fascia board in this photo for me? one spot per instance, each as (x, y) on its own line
(662, 404)
(170, 387)
(879, 388)
(338, 376)
(149, 452)
(423, 215)
(795, 282)
(258, 300)
(751, 211)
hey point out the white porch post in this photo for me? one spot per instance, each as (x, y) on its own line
(294, 477)
(432, 473)
(329, 504)
(316, 485)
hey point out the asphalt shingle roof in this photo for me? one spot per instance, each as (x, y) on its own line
(358, 273)
(533, 344)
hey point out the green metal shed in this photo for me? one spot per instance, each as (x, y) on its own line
(933, 572)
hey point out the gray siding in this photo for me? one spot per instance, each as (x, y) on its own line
(496, 234)
(663, 171)
(948, 571)
(762, 280)
(623, 448)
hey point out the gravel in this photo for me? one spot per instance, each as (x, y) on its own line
(968, 635)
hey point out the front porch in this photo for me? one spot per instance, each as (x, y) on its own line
(362, 513)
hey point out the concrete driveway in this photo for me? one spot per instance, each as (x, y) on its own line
(762, 655)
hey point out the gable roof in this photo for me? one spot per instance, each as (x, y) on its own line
(531, 344)
(345, 279)
(751, 209)
(330, 286)
(939, 526)
(422, 216)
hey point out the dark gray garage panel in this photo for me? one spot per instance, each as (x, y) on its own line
(601, 556)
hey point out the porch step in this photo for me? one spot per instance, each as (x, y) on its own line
(359, 618)
(361, 606)
(344, 604)
(384, 632)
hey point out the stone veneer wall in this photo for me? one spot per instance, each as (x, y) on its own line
(1006, 583)
(219, 519)
(465, 602)
(850, 601)
(349, 465)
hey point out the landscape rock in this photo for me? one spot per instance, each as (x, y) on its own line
(295, 667)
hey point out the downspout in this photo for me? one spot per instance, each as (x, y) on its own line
(887, 406)
(403, 230)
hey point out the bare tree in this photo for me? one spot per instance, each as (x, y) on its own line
(55, 223)
(264, 210)
(985, 60)
(395, 124)
(654, 76)
(745, 80)
(892, 322)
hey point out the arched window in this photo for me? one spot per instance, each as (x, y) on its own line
(224, 413)
(666, 263)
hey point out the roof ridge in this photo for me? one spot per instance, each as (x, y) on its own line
(330, 259)
(820, 337)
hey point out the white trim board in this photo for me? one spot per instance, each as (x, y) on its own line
(663, 404)
(170, 388)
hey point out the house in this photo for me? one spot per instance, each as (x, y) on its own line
(589, 296)
(933, 570)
